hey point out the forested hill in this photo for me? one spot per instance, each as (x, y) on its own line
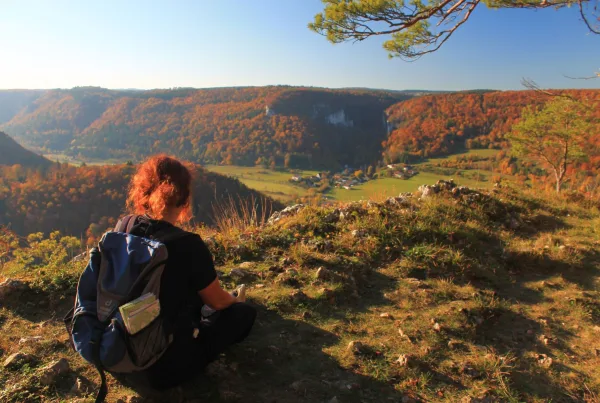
(438, 125)
(85, 201)
(267, 125)
(12, 153)
(284, 126)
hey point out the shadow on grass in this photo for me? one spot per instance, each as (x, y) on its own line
(507, 332)
(492, 267)
(38, 306)
(281, 361)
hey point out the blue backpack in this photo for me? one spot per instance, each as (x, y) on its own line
(121, 268)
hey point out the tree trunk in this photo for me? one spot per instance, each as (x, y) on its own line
(558, 180)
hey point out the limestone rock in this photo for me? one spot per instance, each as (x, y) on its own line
(446, 185)
(454, 344)
(356, 347)
(397, 201)
(358, 233)
(323, 273)
(428, 191)
(298, 296)
(26, 340)
(16, 360)
(403, 360)
(286, 212)
(51, 371)
(544, 360)
(460, 191)
(80, 387)
(351, 211)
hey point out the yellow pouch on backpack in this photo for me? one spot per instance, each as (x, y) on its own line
(140, 312)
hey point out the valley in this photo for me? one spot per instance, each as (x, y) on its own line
(376, 278)
(277, 184)
(376, 201)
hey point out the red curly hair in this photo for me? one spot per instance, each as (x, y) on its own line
(161, 182)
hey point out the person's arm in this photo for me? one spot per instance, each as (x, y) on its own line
(217, 298)
(203, 276)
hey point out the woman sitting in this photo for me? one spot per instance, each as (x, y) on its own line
(159, 197)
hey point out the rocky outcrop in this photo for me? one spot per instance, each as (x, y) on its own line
(286, 212)
(53, 370)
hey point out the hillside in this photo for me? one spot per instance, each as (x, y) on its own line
(11, 153)
(292, 126)
(439, 125)
(459, 296)
(309, 128)
(14, 101)
(85, 201)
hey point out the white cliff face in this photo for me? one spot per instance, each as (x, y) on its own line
(269, 111)
(390, 126)
(339, 119)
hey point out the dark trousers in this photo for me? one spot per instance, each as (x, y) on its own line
(188, 356)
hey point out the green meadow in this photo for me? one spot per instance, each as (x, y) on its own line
(276, 183)
(273, 183)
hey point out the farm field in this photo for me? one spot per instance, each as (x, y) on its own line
(277, 185)
(270, 182)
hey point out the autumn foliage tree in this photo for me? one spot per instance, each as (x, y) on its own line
(555, 136)
(232, 126)
(85, 201)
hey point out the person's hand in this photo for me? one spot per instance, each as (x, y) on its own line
(240, 293)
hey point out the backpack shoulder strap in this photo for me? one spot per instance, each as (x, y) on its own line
(125, 224)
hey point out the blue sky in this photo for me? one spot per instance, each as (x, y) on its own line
(202, 43)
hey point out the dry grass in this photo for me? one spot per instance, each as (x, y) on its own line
(452, 300)
(235, 215)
